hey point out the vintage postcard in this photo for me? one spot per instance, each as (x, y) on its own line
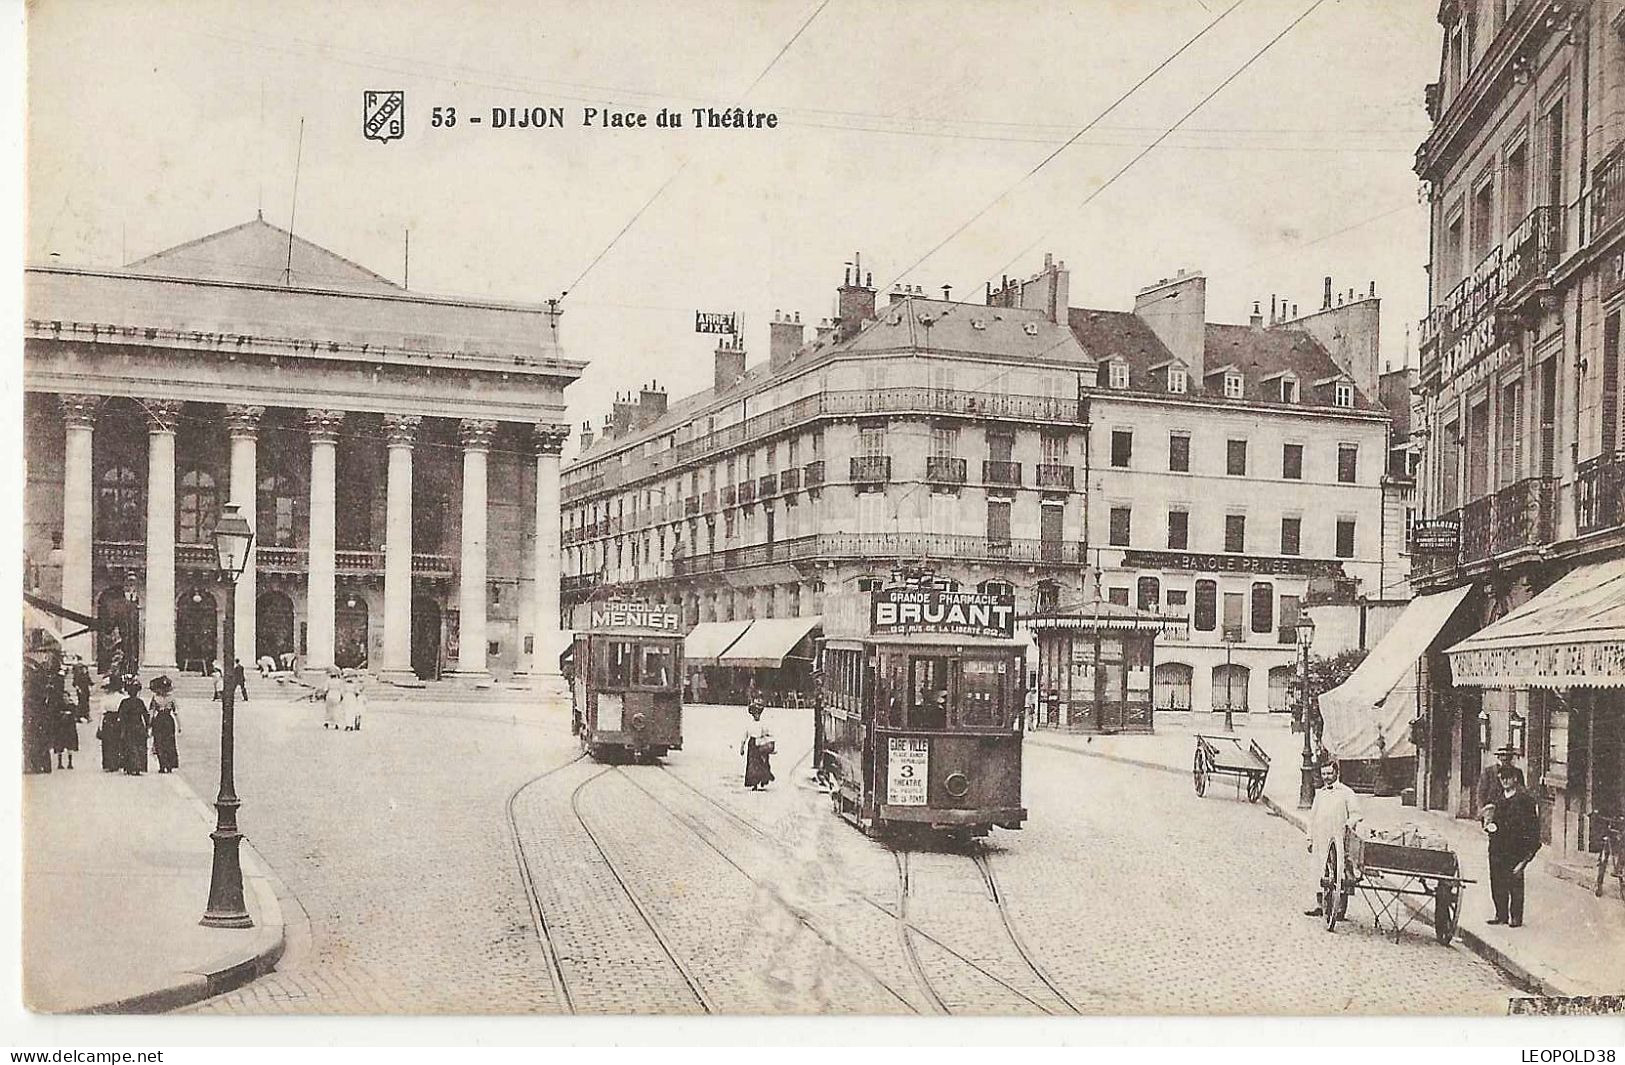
(823, 507)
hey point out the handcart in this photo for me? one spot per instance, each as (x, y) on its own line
(1385, 872)
(1225, 756)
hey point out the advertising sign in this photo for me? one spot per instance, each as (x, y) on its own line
(1436, 536)
(636, 616)
(908, 761)
(716, 322)
(906, 611)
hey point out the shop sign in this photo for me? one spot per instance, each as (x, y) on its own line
(716, 322)
(1226, 563)
(635, 616)
(1436, 536)
(907, 611)
(908, 763)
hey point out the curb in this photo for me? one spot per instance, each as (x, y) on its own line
(230, 971)
(1509, 967)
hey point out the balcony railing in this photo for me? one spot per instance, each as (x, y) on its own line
(767, 485)
(708, 501)
(1477, 519)
(1051, 475)
(790, 480)
(997, 472)
(1532, 249)
(1608, 191)
(1599, 493)
(945, 469)
(577, 582)
(729, 496)
(1176, 628)
(815, 473)
(747, 493)
(871, 546)
(691, 506)
(870, 469)
(1523, 514)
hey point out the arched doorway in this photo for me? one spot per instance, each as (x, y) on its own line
(112, 605)
(196, 630)
(1281, 689)
(425, 638)
(350, 632)
(1172, 683)
(1230, 687)
(273, 625)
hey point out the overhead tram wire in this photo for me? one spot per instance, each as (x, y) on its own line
(1070, 141)
(684, 165)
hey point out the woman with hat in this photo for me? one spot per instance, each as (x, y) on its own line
(757, 747)
(165, 725)
(133, 718)
(111, 733)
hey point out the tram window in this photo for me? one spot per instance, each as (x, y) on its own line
(658, 667)
(928, 689)
(615, 664)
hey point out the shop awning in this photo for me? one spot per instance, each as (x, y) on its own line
(1572, 635)
(769, 641)
(707, 640)
(1369, 715)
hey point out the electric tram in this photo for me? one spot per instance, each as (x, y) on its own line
(626, 693)
(920, 722)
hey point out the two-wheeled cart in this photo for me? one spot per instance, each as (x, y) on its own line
(1225, 756)
(1386, 874)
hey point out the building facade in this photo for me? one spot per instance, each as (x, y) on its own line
(1220, 474)
(396, 453)
(1518, 409)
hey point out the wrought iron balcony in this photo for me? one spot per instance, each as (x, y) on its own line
(1532, 250)
(747, 493)
(1523, 514)
(1608, 192)
(873, 546)
(1477, 521)
(729, 496)
(870, 469)
(1599, 493)
(691, 506)
(767, 485)
(995, 472)
(1051, 475)
(790, 480)
(815, 473)
(945, 469)
(708, 501)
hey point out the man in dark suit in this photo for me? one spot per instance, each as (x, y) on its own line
(1489, 784)
(1514, 830)
(239, 679)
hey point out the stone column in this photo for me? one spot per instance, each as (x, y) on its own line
(78, 504)
(549, 640)
(401, 430)
(158, 620)
(243, 423)
(476, 437)
(321, 592)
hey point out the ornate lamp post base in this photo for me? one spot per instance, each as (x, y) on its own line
(227, 908)
(1306, 789)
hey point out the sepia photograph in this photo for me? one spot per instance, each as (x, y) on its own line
(1045, 510)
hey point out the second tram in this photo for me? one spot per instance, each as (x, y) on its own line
(920, 722)
(626, 691)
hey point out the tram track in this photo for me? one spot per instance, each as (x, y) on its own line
(538, 916)
(984, 865)
(905, 937)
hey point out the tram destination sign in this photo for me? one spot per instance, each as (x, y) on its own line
(636, 616)
(907, 611)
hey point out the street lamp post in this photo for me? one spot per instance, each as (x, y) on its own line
(227, 909)
(1306, 636)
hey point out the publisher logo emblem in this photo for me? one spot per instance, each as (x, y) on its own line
(383, 115)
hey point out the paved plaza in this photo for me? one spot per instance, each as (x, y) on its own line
(453, 858)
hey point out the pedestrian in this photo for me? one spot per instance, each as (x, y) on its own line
(218, 677)
(65, 738)
(333, 699)
(1514, 830)
(111, 733)
(166, 725)
(134, 721)
(757, 747)
(81, 689)
(354, 705)
(1332, 812)
(266, 665)
(40, 682)
(239, 679)
(1489, 781)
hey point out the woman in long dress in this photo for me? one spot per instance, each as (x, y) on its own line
(111, 733)
(333, 700)
(66, 739)
(354, 705)
(757, 747)
(133, 717)
(165, 725)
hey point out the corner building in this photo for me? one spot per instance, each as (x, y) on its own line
(1216, 473)
(396, 453)
(1519, 405)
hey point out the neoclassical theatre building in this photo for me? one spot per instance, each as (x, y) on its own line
(397, 454)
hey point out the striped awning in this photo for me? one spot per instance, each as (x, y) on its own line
(706, 641)
(1572, 635)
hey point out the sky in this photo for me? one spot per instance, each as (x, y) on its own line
(898, 123)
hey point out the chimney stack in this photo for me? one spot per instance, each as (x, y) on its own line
(785, 337)
(1256, 320)
(1176, 310)
(1326, 300)
(822, 331)
(856, 301)
(730, 366)
(651, 403)
(621, 414)
(586, 435)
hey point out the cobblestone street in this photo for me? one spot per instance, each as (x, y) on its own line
(425, 848)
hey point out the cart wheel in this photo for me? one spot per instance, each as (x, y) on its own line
(1255, 788)
(1329, 902)
(1199, 775)
(1446, 911)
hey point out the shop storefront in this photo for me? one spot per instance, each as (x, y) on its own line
(1095, 668)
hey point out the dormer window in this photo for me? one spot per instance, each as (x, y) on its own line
(1344, 395)
(1289, 389)
(1232, 386)
(1119, 375)
(1177, 381)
